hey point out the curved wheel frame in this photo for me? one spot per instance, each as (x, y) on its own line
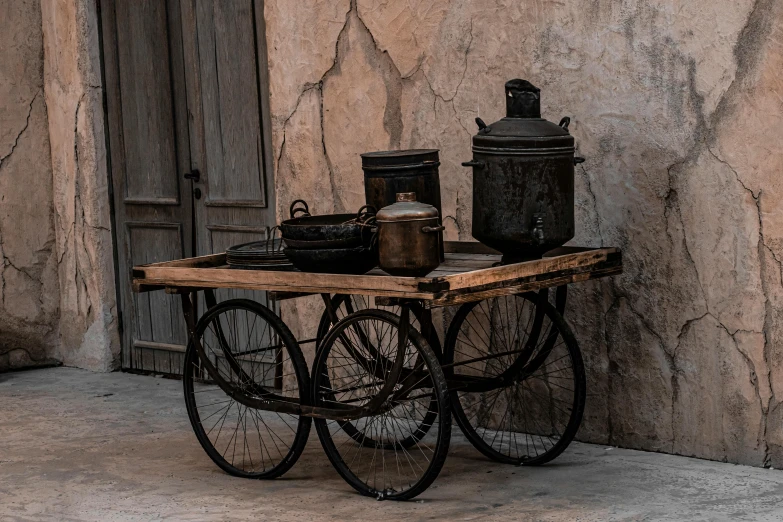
(246, 416)
(425, 370)
(529, 360)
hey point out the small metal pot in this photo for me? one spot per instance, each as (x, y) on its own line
(409, 234)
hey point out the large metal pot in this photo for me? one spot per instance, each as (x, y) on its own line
(409, 235)
(523, 178)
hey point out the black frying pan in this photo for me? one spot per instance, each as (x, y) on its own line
(341, 228)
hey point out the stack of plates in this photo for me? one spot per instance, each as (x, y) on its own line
(259, 255)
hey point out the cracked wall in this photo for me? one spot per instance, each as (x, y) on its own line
(74, 96)
(677, 107)
(28, 264)
(57, 295)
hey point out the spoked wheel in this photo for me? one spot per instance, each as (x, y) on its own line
(345, 305)
(410, 432)
(253, 351)
(516, 378)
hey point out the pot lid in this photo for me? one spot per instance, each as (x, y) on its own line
(385, 158)
(523, 125)
(406, 209)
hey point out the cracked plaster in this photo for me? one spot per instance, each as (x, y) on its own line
(676, 106)
(57, 297)
(88, 320)
(28, 272)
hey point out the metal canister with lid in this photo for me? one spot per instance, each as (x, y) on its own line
(523, 178)
(409, 235)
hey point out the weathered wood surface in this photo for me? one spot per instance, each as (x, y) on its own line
(148, 144)
(461, 278)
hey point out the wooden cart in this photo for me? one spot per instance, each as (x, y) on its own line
(382, 390)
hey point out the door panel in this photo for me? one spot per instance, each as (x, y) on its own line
(149, 148)
(147, 108)
(231, 104)
(159, 329)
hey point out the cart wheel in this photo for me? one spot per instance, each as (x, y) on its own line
(516, 378)
(411, 431)
(345, 305)
(252, 349)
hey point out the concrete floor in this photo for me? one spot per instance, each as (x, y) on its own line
(76, 445)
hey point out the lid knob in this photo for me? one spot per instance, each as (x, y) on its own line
(523, 99)
(406, 196)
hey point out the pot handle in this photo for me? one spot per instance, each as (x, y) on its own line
(293, 209)
(578, 160)
(473, 163)
(565, 122)
(428, 229)
(366, 212)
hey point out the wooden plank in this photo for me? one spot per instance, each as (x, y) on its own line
(284, 282)
(139, 343)
(456, 298)
(139, 288)
(210, 261)
(526, 269)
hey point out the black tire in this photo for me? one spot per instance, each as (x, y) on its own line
(276, 367)
(340, 376)
(542, 383)
(344, 305)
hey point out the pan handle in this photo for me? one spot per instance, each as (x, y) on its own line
(439, 228)
(293, 209)
(366, 212)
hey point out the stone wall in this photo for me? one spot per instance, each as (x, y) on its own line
(678, 108)
(29, 294)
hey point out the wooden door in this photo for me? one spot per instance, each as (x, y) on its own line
(186, 92)
(225, 59)
(149, 148)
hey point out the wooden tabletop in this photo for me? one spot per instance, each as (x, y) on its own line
(467, 274)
